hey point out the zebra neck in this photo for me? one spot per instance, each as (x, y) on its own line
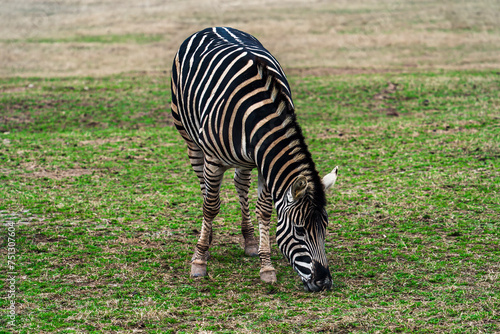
(284, 157)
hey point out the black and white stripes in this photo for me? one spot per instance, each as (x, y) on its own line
(232, 105)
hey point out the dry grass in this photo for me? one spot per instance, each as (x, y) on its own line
(99, 37)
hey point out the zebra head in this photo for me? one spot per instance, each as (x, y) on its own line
(301, 233)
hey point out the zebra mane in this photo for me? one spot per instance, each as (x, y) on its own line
(276, 80)
(316, 190)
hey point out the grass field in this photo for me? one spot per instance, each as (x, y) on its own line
(103, 210)
(102, 37)
(107, 210)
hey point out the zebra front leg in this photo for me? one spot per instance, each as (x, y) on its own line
(211, 204)
(264, 210)
(242, 180)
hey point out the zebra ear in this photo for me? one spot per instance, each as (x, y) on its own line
(329, 179)
(299, 187)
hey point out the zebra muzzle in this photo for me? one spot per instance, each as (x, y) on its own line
(320, 280)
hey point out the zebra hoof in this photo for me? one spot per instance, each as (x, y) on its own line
(198, 268)
(252, 250)
(268, 276)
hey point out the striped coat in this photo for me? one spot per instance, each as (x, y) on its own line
(232, 104)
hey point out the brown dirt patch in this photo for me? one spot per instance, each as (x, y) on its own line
(59, 174)
(329, 71)
(13, 89)
(43, 239)
(101, 141)
(16, 119)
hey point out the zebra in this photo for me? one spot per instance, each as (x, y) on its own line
(232, 105)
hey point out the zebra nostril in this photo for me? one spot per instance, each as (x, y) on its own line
(324, 284)
(318, 285)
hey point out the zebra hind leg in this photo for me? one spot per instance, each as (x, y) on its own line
(197, 159)
(264, 210)
(213, 174)
(242, 180)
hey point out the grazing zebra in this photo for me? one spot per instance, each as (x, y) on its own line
(232, 105)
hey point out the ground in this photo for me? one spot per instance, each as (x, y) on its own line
(105, 209)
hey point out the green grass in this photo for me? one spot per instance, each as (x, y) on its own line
(108, 210)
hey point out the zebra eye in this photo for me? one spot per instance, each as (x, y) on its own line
(299, 230)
